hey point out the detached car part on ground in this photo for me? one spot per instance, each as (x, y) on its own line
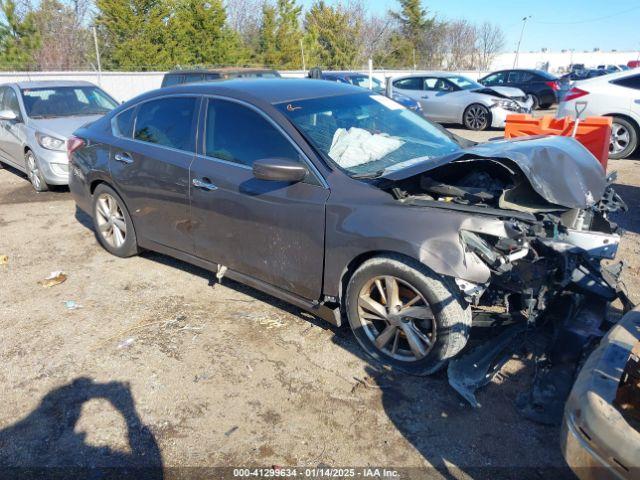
(601, 429)
(337, 199)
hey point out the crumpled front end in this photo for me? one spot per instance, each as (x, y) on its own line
(540, 225)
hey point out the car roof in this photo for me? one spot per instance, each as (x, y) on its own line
(611, 76)
(222, 70)
(270, 90)
(51, 83)
(428, 74)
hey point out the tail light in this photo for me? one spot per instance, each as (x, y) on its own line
(73, 144)
(554, 85)
(574, 93)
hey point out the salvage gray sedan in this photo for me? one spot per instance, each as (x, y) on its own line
(338, 199)
(36, 118)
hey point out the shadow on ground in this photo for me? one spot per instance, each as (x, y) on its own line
(45, 444)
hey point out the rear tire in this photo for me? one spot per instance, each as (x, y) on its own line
(476, 117)
(34, 173)
(536, 102)
(112, 222)
(624, 138)
(415, 326)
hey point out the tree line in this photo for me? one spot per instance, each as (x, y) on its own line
(144, 35)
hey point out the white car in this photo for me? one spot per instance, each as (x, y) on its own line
(616, 95)
(450, 98)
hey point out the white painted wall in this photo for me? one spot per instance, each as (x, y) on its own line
(121, 85)
(126, 85)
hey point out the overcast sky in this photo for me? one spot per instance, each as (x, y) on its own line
(555, 24)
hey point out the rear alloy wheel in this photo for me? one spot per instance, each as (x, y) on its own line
(113, 224)
(535, 102)
(477, 117)
(34, 174)
(624, 138)
(406, 316)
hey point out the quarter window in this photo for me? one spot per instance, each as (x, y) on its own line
(238, 134)
(168, 122)
(122, 123)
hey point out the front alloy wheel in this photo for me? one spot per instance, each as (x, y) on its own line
(477, 117)
(406, 316)
(34, 174)
(396, 318)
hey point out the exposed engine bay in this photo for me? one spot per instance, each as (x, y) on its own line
(555, 234)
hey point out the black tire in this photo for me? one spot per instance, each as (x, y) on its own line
(34, 174)
(476, 117)
(621, 124)
(451, 316)
(535, 105)
(103, 225)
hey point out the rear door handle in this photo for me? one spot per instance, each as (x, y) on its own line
(123, 158)
(204, 184)
(637, 101)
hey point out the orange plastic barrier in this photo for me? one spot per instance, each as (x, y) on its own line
(593, 132)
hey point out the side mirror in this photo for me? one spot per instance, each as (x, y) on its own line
(9, 115)
(279, 170)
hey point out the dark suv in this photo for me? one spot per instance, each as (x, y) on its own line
(178, 77)
(541, 86)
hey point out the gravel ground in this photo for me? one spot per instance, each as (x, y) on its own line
(160, 366)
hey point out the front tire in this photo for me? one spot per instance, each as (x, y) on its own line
(34, 173)
(624, 138)
(476, 117)
(406, 316)
(112, 222)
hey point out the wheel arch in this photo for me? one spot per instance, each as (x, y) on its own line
(358, 260)
(628, 118)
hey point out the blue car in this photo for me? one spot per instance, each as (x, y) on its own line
(362, 80)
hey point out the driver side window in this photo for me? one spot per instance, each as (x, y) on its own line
(238, 134)
(495, 79)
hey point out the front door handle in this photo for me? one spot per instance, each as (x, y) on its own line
(123, 158)
(637, 101)
(204, 184)
(425, 96)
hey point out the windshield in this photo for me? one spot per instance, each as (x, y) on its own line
(463, 83)
(366, 134)
(66, 101)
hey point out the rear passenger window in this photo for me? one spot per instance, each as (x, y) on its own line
(172, 80)
(629, 82)
(238, 134)
(414, 83)
(122, 123)
(167, 121)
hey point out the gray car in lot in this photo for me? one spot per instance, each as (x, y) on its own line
(36, 118)
(337, 199)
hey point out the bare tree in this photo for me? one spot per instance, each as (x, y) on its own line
(65, 41)
(374, 30)
(244, 16)
(489, 42)
(461, 45)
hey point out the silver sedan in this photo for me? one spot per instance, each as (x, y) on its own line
(450, 98)
(36, 118)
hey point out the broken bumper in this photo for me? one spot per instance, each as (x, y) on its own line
(597, 441)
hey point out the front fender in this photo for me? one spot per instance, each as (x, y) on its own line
(429, 235)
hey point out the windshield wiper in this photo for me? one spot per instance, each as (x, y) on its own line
(368, 174)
